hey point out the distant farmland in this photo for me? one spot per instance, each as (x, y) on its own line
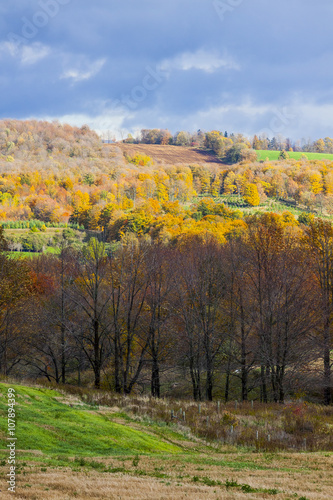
(175, 155)
(170, 155)
(274, 155)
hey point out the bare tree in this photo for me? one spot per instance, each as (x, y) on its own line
(202, 285)
(91, 295)
(319, 241)
(279, 281)
(128, 284)
(158, 335)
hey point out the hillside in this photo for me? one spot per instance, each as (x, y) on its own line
(58, 175)
(99, 445)
(175, 155)
(169, 155)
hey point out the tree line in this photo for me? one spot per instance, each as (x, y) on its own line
(257, 308)
(231, 146)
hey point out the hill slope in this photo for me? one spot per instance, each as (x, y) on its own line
(52, 423)
(172, 155)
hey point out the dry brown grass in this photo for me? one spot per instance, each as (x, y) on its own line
(295, 426)
(170, 155)
(293, 475)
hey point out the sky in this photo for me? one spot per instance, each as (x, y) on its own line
(247, 66)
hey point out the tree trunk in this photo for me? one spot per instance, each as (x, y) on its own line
(263, 385)
(227, 385)
(155, 379)
(63, 355)
(209, 384)
(195, 377)
(244, 374)
(117, 382)
(62, 337)
(327, 368)
(97, 364)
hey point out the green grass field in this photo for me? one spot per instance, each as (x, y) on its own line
(45, 422)
(274, 155)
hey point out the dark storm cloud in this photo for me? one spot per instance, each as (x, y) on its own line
(231, 64)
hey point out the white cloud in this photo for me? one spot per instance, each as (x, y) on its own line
(83, 70)
(8, 48)
(33, 53)
(296, 120)
(26, 54)
(111, 119)
(202, 60)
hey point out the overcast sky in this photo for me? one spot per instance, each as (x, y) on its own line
(247, 66)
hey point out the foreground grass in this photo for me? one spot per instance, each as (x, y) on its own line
(99, 445)
(233, 474)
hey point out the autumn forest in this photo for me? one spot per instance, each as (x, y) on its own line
(206, 280)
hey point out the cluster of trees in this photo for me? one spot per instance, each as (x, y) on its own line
(280, 143)
(257, 308)
(164, 137)
(231, 149)
(104, 200)
(221, 142)
(308, 183)
(37, 240)
(29, 138)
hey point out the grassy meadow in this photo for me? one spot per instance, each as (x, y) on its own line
(274, 155)
(76, 443)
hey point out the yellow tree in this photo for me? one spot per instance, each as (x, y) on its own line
(319, 146)
(229, 186)
(328, 183)
(205, 182)
(251, 195)
(215, 189)
(316, 182)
